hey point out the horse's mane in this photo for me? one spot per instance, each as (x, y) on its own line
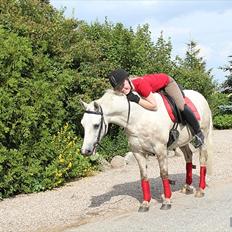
(111, 93)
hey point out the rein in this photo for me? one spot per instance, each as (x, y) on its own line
(128, 115)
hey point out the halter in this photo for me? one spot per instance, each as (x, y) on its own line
(103, 122)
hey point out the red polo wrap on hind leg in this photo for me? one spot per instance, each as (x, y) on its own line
(189, 173)
(202, 183)
(167, 189)
(146, 190)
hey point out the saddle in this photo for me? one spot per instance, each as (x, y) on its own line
(175, 114)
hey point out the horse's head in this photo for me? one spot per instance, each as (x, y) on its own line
(112, 107)
(95, 127)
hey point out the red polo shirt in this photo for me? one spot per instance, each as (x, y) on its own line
(150, 83)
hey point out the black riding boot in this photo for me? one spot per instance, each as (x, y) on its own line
(194, 124)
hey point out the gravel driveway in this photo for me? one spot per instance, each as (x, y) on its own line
(108, 194)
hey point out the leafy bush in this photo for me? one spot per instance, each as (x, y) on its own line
(47, 64)
(45, 165)
(115, 143)
(226, 109)
(215, 101)
(196, 80)
(223, 121)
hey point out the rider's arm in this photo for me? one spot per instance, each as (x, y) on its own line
(149, 102)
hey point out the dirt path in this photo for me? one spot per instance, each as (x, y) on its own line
(108, 194)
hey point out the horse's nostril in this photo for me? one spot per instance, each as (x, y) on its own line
(86, 152)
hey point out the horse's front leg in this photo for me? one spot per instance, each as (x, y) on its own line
(163, 164)
(142, 162)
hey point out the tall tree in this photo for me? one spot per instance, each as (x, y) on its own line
(191, 71)
(162, 57)
(193, 60)
(228, 82)
(141, 50)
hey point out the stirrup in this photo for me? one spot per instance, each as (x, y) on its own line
(198, 141)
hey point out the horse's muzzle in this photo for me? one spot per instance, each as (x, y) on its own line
(88, 151)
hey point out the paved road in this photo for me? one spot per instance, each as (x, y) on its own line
(212, 213)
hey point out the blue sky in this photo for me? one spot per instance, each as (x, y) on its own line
(207, 22)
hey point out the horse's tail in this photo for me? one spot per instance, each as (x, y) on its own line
(210, 147)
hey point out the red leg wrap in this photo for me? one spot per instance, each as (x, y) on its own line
(167, 189)
(189, 173)
(146, 190)
(202, 183)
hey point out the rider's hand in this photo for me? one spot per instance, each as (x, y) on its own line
(133, 97)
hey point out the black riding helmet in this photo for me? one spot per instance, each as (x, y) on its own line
(117, 77)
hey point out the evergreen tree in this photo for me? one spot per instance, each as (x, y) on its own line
(191, 71)
(192, 60)
(227, 85)
(161, 57)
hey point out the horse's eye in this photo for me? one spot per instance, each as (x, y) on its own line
(95, 126)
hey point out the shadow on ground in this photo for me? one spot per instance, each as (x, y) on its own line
(133, 189)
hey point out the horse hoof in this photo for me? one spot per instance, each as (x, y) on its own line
(143, 209)
(189, 192)
(186, 190)
(166, 206)
(199, 193)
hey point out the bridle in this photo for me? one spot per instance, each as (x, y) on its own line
(103, 123)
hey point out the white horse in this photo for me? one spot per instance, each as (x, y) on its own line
(148, 133)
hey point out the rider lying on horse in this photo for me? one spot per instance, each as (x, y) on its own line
(150, 83)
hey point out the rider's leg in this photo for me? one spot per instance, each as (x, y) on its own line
(174, 91)
(192, 121)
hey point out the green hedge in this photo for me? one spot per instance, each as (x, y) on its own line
(223, 121)
(45, 165)
(115, 143)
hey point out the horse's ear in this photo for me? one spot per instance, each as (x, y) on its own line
(96, 107)
(84, 105)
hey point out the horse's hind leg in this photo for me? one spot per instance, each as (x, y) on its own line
(187, 188)
(205, 162)
(202, 180)
(142, 162)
